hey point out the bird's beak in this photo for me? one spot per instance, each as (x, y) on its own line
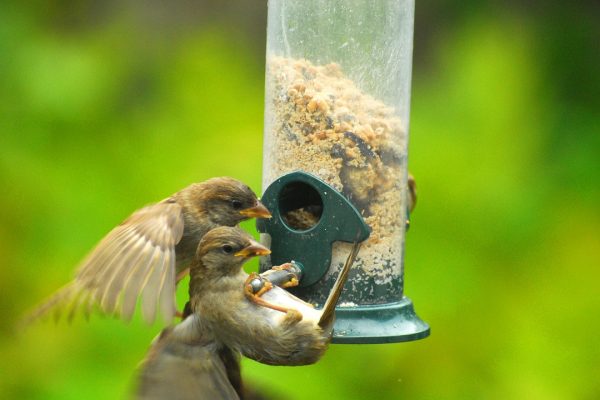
(258, 211)
(254, 249)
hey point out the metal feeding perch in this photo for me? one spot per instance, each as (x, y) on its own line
(335, 157)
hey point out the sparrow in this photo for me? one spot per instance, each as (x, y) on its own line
(199, 357)
(147, 254)
(269, 325)
(184, 364)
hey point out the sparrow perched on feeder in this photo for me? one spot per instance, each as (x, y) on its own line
(271, 326)
(148, 253)
(231, 312)
(185, 363)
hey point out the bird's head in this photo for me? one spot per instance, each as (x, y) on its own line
(224, 250)
(227, 201)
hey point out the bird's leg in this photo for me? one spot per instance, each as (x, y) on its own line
(255, 286)
(286, 279)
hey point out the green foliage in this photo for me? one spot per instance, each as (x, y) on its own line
(503, 252)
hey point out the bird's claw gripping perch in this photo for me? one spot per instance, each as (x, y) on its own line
(256, 285)
(284, 276)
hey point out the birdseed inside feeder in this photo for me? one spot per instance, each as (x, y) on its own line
(337, 105)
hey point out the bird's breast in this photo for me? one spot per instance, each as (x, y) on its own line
(283, 298)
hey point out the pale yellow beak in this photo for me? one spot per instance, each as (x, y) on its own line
(258, 211)
(254, 249)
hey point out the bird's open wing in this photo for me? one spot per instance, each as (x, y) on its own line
(136, 259)
(180, 367)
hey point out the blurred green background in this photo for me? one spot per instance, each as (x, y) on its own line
(107, 106)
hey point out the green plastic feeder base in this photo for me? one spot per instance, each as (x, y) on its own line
(385, 323)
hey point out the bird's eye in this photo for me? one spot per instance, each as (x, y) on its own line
(236, 204)
(227, 249)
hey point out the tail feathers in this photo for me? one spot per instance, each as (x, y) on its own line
(66, 301)
(329, 307)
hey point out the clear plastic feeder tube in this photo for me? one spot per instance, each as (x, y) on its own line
(338, 79)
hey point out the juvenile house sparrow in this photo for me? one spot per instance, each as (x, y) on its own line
(187, 361)
(183, 364)
(276, 328)
(149, 252)
(199, 358)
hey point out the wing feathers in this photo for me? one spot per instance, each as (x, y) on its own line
(167, 294)
(135, 281)
(137, 258)
(96, 263)
(110, 295)
(101, 280)
(182, 364)
(152, 286)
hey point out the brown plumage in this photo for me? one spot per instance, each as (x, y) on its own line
(199, 358)
(145, 255)
(298, 337)
(217, 297)
(183, 364)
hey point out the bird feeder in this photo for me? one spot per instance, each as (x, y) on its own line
(335, 157)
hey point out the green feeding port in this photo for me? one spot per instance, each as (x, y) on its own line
(301, 206)
(309, 216)
(315, 225)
